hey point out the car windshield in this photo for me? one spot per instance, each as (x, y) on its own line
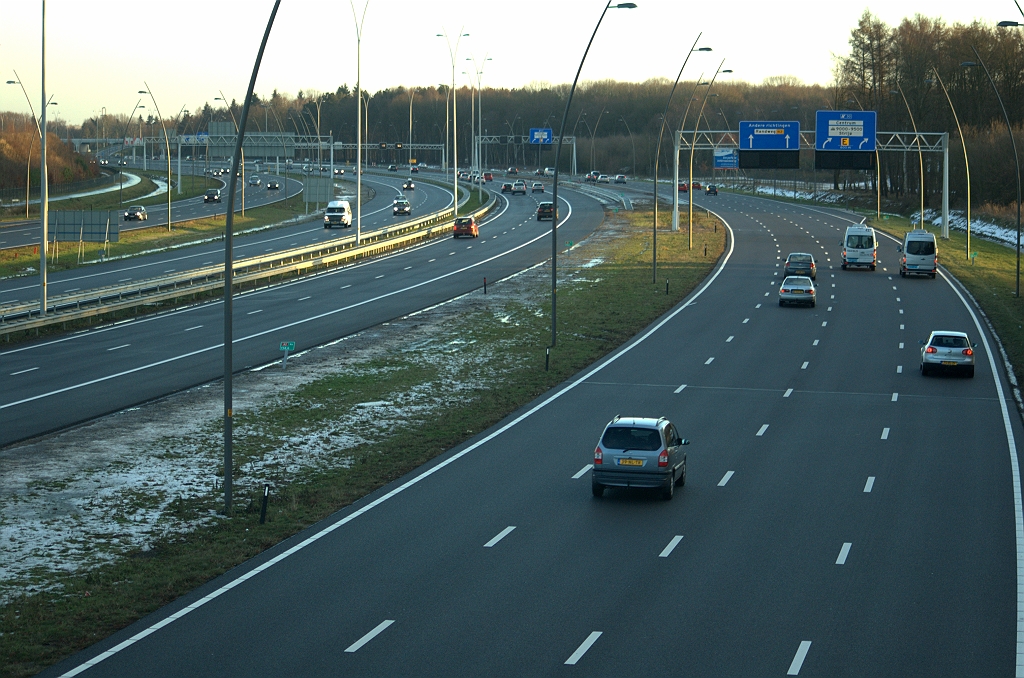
(946, 341)
(336, 210)
(799, 258)
(861, 242)
(629, 438)
(920, 247)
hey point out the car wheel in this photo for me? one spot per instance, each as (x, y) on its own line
(872, 267)
(597, 489)
(925, 370)
(970, 371)
(681, 480)
(327, 226)
(781, 303)
(843, 267)
(933, 276)
(538, 218)
(813, 304)
(669, 489)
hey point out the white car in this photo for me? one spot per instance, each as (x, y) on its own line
(947, 350)
(797, 289)
(620, 178)
(603, 179)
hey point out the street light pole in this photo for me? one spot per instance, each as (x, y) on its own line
(359, 116)
(43, 188)
(1013, 144)
(241, 147)
(167, 148)
(455, 119)
(630, 132)
(558, 154)
(967, 166)
(28, 170)
(917, 137)
(693, 143)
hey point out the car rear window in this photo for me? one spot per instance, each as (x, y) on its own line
(920, 247)
(463, 221)
(805, 258)
(949, 342)
(861, 242)
(630, 438)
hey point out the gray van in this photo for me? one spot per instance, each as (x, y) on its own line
(919, 254)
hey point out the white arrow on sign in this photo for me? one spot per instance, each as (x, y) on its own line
(787, 141)
(751, 140)
(825, 143)
(863, 141)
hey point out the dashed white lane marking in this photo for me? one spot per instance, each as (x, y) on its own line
(345, 286)
(451, 253)
(824, 324)
(582, 471)
(901, 344)
(798, 659)
(885, 434)
(758, 306)
(843, 553)
(671, 546)
(760, 431)
(304, 298)
(746, 320)
(815, 343)
(370, 636)
(767, 293)
(124, 280)
(119, 347)
(901, 311)
(899, 369)
(869, 484)
(582, 649)
(170, 270)
(378, 277)
(681, 387)
(804, 366)
(258, 310)
(901, 327)
(407, 268)
(788, 393)
(430, 260)
(895, 397)
(725, 478)
(189, 329)
(830, 308)
(731, 337)
(14, 374)
(897, 298)
(709, 360)
(498, 537)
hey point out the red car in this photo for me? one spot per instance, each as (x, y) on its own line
(682, 188)
(696, 186)
(465, 226)
(488, 176)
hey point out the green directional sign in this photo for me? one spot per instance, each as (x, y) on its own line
(288, 346)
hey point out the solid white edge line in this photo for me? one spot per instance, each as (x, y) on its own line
(498, 537)
(272, 330)
(412, 481)
(582, 471)
(370, 636)
(798, 659)
(844, 553)
(582, 649)
(671, 546)
(725, 478)
(869, 484)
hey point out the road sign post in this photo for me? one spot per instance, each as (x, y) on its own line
(287, 347)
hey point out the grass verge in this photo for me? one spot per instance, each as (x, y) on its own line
(492, 349)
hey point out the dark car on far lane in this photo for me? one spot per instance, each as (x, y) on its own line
(506, 187)
(545, 210)
(212, 195)
(801, 263)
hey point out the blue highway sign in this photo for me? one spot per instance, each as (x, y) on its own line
(770, 135)
(726, 158)
(845, 130)
(541, 135)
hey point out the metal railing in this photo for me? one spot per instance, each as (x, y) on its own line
(18, 316)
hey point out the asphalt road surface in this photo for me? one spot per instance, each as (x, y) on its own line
(842, 514)
(49, 385)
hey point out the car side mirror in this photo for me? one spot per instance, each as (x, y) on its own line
(899, 248)
(682, 441)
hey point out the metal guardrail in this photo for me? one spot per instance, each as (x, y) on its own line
(64, 308)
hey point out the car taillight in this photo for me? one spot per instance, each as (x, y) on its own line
(968, 351)
(598, 456)
(663, 458)
(844, 253)
(784, 290)
(810, 291)
(812, 264)
(930, 349)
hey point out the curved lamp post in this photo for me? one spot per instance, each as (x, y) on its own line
(632, 169)
(689, 201)
(558, 154)
(241, 147)
(28, 170)
(593, 133)
(1013, 144)
(127, 124)
(967, 166)
(167, 147)
(682, 122)
(455, 118)
(917, 137)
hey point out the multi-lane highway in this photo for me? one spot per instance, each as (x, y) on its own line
(52, 384)
(842, 514)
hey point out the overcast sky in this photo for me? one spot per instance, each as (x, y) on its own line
(99, 53)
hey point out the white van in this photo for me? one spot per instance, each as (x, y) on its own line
(919, 254)
(549, 171)
(860, 248)
(338, 213)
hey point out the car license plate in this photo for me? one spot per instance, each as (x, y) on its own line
(631, 462)
(949, 362)
(798, 291)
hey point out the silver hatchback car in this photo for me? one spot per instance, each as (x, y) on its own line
(639, 452)
(947, 350)
(797, 289)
